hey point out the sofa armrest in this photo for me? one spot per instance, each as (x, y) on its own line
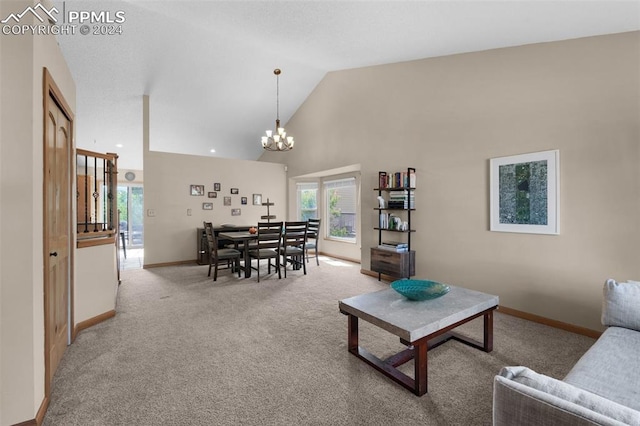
(523, 397)
(621, 304)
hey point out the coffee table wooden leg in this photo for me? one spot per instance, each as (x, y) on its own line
(352, 337)
(488, 331)
(420, 367)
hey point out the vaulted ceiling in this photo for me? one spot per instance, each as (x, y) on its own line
(207, 66)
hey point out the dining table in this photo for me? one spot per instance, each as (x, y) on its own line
(243, 237)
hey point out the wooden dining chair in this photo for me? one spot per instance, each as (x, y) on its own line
(217, 255)
(267, 246)
(313, 231)
(293, 244)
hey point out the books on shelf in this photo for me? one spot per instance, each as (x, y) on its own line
(394, 246)
(384, 221)
(402, 200)
(395, 250)
(397, 180)
(392, 222)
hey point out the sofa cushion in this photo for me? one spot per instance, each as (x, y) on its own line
(621, 304)
(522, 396)
(611, 367)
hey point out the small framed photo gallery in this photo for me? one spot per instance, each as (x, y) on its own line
(196, 190)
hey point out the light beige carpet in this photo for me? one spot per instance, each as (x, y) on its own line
(184, 350)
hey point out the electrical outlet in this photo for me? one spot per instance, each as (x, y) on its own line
(151, 212)
(188, 212)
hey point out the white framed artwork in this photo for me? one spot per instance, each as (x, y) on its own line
(524, 193)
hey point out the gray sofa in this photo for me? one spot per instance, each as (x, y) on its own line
(603, 387)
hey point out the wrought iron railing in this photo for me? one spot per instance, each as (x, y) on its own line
(96, 185)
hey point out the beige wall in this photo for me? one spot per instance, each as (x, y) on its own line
(96, 282)
(21, 159)
(170, 235)
(448, 116)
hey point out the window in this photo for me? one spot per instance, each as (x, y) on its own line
(341, 203)
(96, 192)
(307, 194)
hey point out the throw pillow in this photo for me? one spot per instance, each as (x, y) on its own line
(621, 305)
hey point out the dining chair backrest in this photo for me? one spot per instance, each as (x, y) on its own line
(269, 235)
(313, 229)
(293, 243)
(295, 234)
(216, 255)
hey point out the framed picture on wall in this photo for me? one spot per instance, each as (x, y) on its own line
(234, 190)
(525, 193)
(227, 201)
(243, 200)
(212, 194)
(235, 212)
(216, 187)
(257, 199)
(196, 190)
(207, 206)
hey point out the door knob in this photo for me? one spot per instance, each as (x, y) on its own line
(53, 253)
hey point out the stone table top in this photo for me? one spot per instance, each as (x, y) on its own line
(413, 320)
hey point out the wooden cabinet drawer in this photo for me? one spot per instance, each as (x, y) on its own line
(387, 262)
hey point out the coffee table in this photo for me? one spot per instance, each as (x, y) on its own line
(420, 325)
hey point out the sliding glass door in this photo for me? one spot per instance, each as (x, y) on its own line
(130, 206)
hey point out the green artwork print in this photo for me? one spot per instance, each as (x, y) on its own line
(523, 193)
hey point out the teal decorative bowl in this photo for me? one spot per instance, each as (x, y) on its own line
(420, 289)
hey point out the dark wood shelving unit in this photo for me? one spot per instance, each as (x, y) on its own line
(390, 262)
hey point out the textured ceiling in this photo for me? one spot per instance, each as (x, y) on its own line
(208, 66)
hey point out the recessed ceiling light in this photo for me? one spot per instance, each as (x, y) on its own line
(212, 150)
(119, 145)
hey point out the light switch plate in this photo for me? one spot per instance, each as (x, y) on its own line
(151, 212)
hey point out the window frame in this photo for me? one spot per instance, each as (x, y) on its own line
(299, 198)
(326, 207)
